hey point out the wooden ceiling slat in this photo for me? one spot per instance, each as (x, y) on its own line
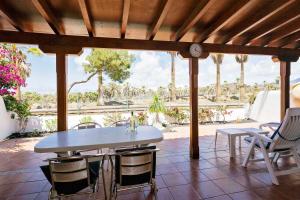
(46, 12)
(292, 38)
(115, 43)
(255, 19)
(125, 15)
(193, 18)
(86, 15)
(233, 12)
(159, 19)
(6, 14)
(283, 31)
(285, 16)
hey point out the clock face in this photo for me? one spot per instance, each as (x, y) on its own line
(195, 50)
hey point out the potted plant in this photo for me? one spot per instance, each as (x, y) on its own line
(142, 118)
(157, 106)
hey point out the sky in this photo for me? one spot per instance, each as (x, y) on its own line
(153, 69)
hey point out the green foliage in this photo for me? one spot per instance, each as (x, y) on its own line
(157, 105)
(111, 118)
(10, 102)
(35, 51)
(115, 64)
(241, 58)
(223, 110)
(21, 108)
(34, 133)
(205, 115)
(86, 119)
(32, 97)
(217, 58)
(51, 125)
(177, 114)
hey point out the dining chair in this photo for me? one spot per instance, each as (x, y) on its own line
(69, 175)
(134, 168)
(125, 122)
(86, 125)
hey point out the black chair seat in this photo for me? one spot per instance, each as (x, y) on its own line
(76, 186)
(134, 179)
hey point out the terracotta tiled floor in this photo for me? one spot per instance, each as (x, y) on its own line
(214, 176)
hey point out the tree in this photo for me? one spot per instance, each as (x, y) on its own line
(113, 63)
(218, 59)
(173, 83)
(13, 56)
(241, 59)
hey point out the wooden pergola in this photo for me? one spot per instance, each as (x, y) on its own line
(62, 27)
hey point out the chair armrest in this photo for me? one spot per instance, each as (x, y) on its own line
(260, 137)
(270, 125)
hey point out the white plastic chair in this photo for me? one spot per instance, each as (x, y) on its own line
(285, 139)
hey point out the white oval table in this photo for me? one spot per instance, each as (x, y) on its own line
(97, 138)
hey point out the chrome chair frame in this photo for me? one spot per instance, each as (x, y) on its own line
(141, 159)
(74, 168)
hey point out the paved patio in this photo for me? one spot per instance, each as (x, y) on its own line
(214, 176)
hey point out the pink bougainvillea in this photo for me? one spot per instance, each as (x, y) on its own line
(10, 79)
(12, 65)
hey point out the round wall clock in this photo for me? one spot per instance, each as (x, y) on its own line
(196, 50)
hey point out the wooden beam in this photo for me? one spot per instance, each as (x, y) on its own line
(60, 49)
(285, 71)
(62, 97)
(125, 15)
(234, 12)
(159, 19)
(133, 44)
(281, 32)
(282, 18)
(85, 12)
(44, 9)
(292, 38)
(198, 12)
(61, 80)
(267, 10)
(7, 15)
(194, 135)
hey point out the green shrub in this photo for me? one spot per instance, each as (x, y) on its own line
(51, 125)
(111, 118)
(86, 119)
(21, 108)
(177, 114)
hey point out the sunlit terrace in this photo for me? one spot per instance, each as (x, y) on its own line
(131, 99)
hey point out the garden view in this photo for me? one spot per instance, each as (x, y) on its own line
(102, 90)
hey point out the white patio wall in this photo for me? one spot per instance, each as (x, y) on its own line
(7, 125)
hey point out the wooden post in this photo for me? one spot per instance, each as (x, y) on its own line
(285, 72)
(193, 77)
(61, 85)
(61, 80)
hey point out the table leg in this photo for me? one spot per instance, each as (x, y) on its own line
(240, 141)
(232, 145)
(216, 137)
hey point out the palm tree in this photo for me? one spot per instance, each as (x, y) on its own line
(173, 84)
(218, 59)
(241, 59)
